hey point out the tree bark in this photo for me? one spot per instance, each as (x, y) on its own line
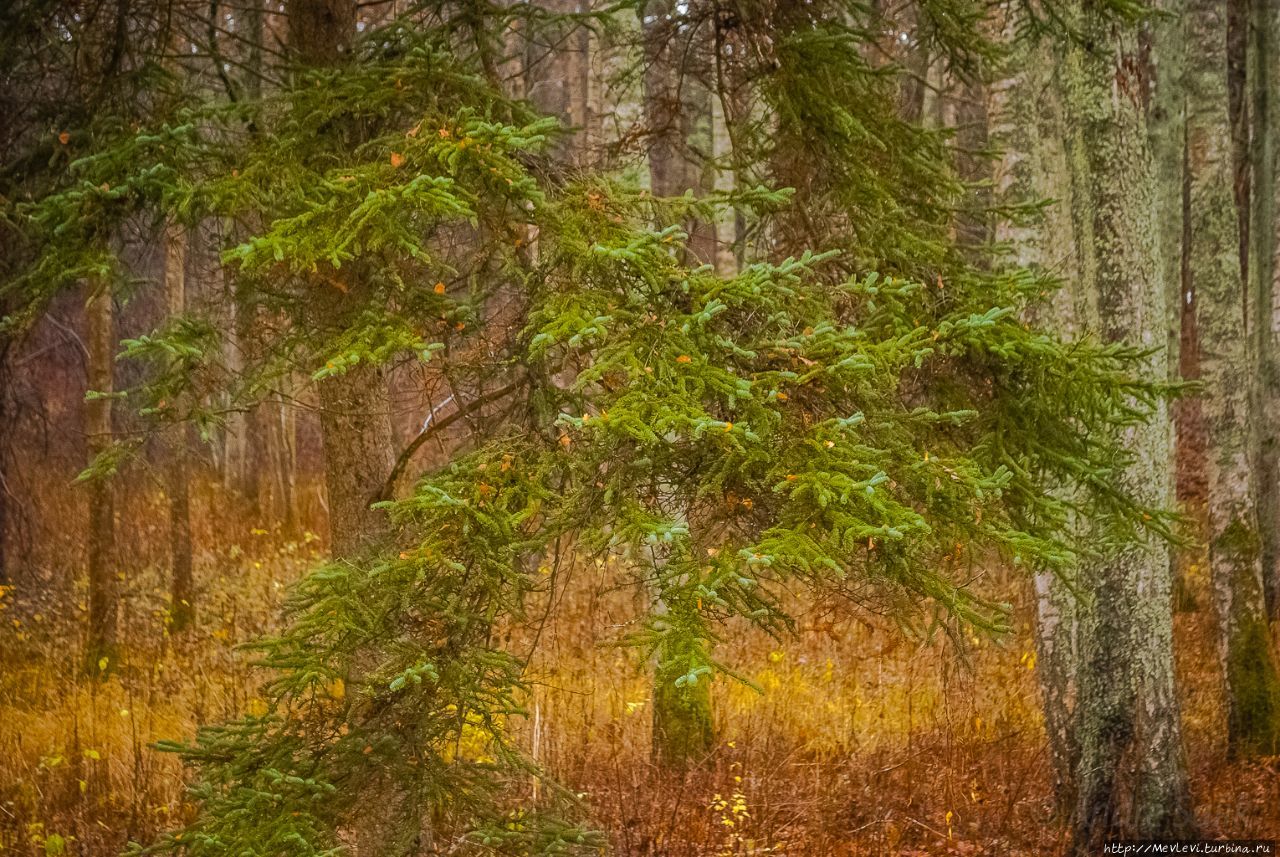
(1131, 776)
(101, 650)
(1027, 125)
(1264, 76)
(1252, 683)
(355, 423)
(182, 590)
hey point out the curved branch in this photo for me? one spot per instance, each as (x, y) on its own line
(433, 427)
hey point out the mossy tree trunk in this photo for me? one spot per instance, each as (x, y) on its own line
(1027, 125)
(1252, 685)
(1130, 775)
(181, 584)
(1263, 72)
(102, 646)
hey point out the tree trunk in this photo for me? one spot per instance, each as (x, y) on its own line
(1131, 778)
(355, 429)
(101, 650)
(182, 592)
(355, 423)
(682, 717)
(1264, 76)
(6, 439)
(1027, 125)
(1252, 684)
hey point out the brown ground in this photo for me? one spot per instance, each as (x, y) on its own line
(862, 743)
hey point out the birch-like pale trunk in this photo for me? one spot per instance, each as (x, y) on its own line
(1028, 127)
(1248, 661)
(1131, 773)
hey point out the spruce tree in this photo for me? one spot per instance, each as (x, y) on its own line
(858, 408)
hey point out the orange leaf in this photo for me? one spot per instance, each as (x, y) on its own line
(397, 160)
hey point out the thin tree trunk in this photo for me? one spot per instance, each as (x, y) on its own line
(101, 650)
(182, 590)
(1252, 683)
(1131, 778)
(6, 439)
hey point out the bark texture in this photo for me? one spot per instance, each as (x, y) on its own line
(1263, 76)
(101, 649)
(1027, 126)
(1249, 667)
(1131, 774)
(355, 422)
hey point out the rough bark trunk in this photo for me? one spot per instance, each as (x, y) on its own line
(356, 433)
(355, 423)
(1264, 76)
(1252, 684)
(1027, 126)
(557, 78)
(182, 590)
(101, 650)
(1131, 777)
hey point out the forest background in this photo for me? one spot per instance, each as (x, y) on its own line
(717, 427)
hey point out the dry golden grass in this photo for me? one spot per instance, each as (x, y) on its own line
(862, 742)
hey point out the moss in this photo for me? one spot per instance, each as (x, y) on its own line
(1253, 725)
(1238, 544)
(683, 727)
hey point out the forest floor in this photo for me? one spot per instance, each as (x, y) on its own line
(863, 741)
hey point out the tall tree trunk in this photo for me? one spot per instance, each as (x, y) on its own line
(355, 410)
(1028, 126)
(1131, 777)
(356, 432)
(1249, 666)
(682, 718)
(973, 223)
(1167, 132)
(557, 77)
(101, 650)
(1264, 76)
(6, 439)
(182, 591)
